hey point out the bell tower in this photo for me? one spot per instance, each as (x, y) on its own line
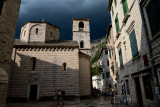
(81, 34)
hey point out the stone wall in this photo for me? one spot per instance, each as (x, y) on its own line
(82, 36)
(48, 69)
(28, 32)
(8, 23)
(132, 67)
(84, 75)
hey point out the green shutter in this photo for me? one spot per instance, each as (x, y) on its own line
(120, 58)
(125, 6)
(110, 54)
(117, 25)
(133, 42)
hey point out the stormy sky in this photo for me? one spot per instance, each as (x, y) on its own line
(61, 12)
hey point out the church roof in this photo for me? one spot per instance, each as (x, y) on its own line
(57, 43)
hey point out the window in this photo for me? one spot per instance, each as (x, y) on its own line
(120, 58)
(106, 52)
(127, 87)
(81, 44)
(110, 53)
(1, 6)
(107, 74)
(107, 63)
(51, 33)
(153, 13)
(33, 63)
(117, 24)
(125, 6)
(102, 76)
(110, 86)
(64, 66)
(81, 26)
(112, 11)
(148, 87)
(133, 42)
(36, 31)
(115, 2)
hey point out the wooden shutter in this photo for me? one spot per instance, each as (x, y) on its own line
(133, 42)
(125, 6)
(117, 24)
(120, 58)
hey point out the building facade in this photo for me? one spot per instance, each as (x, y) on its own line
(42, 63)
(134, 69)
(106, 80)
(112, 57)
(9, 11)
(81, 34)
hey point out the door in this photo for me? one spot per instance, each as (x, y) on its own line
(33, 93)
(138, 91)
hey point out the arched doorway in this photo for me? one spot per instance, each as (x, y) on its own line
(33, 88)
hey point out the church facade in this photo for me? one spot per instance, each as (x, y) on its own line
(42, 63)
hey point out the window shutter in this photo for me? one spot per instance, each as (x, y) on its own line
(110, 54)
(133, 42)
(117, 24)
(153, 13)
(125, 6)
(120, 58)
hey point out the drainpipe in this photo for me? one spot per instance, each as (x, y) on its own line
(155, 77)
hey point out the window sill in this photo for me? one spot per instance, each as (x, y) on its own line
(137, 57)
(118, 34)
(126, 18)
(156, 37)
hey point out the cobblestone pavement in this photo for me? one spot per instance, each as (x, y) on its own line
(93, 102)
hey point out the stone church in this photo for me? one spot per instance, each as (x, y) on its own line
(42, 63)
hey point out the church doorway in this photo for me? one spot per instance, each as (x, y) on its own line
(33, 93)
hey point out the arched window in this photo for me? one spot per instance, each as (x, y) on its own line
(36, 30)
(64, 66)
(81, 26)
(1, 6)
(51, 33)
(81, 44)
(24, 33)
(33, 63)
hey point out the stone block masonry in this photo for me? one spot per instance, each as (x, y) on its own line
(8, 23)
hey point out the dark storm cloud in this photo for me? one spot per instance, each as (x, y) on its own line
(61, 12)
